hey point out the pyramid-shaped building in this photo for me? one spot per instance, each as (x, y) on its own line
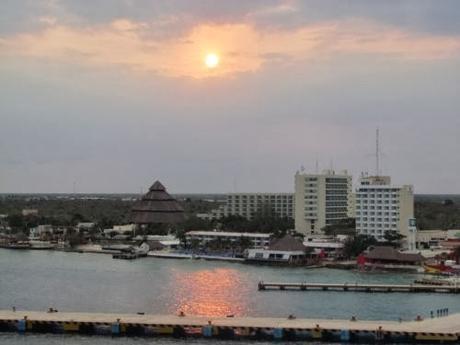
(157, 207)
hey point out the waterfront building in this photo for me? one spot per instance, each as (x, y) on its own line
(382, 207)
(158, 242)
(157, 207)
(321, 200)
(430, 238)
(255, 240)
(286, 250)
(389, 257)
(41, 230)
(121, 229)
(325, 247)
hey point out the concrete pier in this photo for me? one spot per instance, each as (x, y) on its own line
(357, 287)
(435, 330)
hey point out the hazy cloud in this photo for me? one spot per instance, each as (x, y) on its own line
(128, 44)
(115, 94)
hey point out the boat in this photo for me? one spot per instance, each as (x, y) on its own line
(125, 256)
(447, 267)
(18, 245)
(131, 253)
(41, 245)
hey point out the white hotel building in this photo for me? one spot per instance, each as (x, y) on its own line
(382, 207)
(248, 204)
(322, 199)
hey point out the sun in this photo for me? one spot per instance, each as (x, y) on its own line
(211, 60)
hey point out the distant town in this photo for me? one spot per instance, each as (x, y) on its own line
(324, 222)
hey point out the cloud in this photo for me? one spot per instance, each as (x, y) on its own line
(273, 11)
(242, 47)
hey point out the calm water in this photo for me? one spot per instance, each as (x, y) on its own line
(37, 280)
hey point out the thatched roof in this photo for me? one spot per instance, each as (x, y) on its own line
(287, 243)
(391, 254)
(157, 207)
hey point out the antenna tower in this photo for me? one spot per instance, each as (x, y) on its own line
(377, 152)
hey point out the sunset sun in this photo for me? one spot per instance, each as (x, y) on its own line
(211, 60)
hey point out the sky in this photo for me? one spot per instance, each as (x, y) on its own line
(109, 95)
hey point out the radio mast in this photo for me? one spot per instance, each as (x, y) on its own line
(377, 152)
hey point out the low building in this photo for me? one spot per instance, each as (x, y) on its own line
(41, 230)
(160, 242)
(325, 247)
(389, 257)
(453, 234)
(430, 238)
(85, 226)
(284, 251)
(121, 229)
(255, 240)
(29, 212)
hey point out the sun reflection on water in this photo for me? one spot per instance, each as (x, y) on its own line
(210, 292)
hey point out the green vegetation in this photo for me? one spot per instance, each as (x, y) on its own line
(437, 215)
(355, 245)
(393, 238)
(432, 212)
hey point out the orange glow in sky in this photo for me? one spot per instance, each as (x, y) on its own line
(212, 60)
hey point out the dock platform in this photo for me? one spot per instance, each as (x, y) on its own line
(434, 330)
(358, 287)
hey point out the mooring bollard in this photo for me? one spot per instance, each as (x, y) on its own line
(116, 327)
(379, 334)
(207, 331)
(22, 325)
(344, 335)
(317, 332)
(278, 333)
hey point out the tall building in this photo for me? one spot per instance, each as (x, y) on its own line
(382, 207)
(321, 199)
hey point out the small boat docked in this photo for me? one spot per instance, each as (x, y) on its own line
(41, 245)
(18, 245)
